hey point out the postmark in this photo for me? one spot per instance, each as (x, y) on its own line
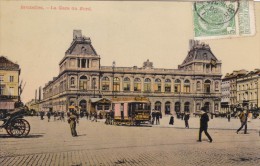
(223, 19)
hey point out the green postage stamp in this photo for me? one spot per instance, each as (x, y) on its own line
(223, 19)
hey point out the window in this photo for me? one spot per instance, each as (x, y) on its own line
(186, 86)
(116, 84)
(198, 87)
(177, 107)
(157, 85)
(186, 107)
(1, 78)
(147, 85)
(94, 81)
(83, 83)
(126, 84)
(137, 85)
(177, 86)
(207, 86)
(167, 85)
(11, 79)
(2, 90)
(83, 63)
(157, 105)
(105, 83)
(72, 81)
(167, 107)
(216, 86)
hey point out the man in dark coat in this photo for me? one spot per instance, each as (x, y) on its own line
(186, 119)
(204, 125)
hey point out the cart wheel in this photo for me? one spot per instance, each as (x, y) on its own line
(27, 127)
(18, 128)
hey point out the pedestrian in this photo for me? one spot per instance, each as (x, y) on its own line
(186, 119)
(228, 116)
(72, 121)
(243, 120)
(41, 114)
(49, 115)
(62, 114)
(87, 115)
(153, 116)
(204, 124)
(171, 120)
(94, 116)
(158, 118)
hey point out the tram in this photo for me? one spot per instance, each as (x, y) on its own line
(131, 110)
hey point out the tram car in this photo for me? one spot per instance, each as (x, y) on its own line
(131, 111)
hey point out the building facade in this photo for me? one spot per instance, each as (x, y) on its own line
(248, 88)
(194, 84)
(9, 83)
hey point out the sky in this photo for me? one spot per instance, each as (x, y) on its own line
(128, 33)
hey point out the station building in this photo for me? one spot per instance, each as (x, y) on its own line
(82, 80)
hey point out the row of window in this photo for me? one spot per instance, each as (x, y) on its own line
(10, 90)
(11, 78)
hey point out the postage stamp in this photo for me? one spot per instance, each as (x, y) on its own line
(223, 19)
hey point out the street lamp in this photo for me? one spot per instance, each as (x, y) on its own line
(94, 83)
(113, 67)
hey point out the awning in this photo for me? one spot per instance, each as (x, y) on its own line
(100, 100)
(7, 105)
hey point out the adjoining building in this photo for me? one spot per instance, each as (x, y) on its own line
(229, 89)
(194, 84)
(248, 89)
(9, 83)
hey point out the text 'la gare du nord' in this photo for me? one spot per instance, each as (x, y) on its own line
(56, 8)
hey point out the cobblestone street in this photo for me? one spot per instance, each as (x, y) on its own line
(50, 143)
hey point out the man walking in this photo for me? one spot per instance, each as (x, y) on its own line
(186, 119)
(243, 120)
(204, 125)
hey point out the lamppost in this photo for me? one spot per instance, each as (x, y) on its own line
(94, 82)
(113, 67)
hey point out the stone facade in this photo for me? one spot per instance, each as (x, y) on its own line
(9, 83)
(248, 88)
(194, 84)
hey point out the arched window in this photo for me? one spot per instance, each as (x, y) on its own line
(186, 107)
(72, 81)
(216, 86)
(177, 86)
(158, 105)
(198, 87)
(177, 107)
(94, 82)
(157, 85)
(167, 108)
(83, 83)
(187, 86)
(198, 107)
(126, 84)
(216, 107)
(167, 85)
(207, 106)
(207, 86)
(105, 83)
(147, 85)
(116, 84)
(137, 85)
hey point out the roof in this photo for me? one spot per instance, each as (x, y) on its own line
(80, 45)
(200, 52)
(6, 64)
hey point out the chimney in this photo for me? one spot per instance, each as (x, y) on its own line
(40, 94)
(35, 95)
(77, 34)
